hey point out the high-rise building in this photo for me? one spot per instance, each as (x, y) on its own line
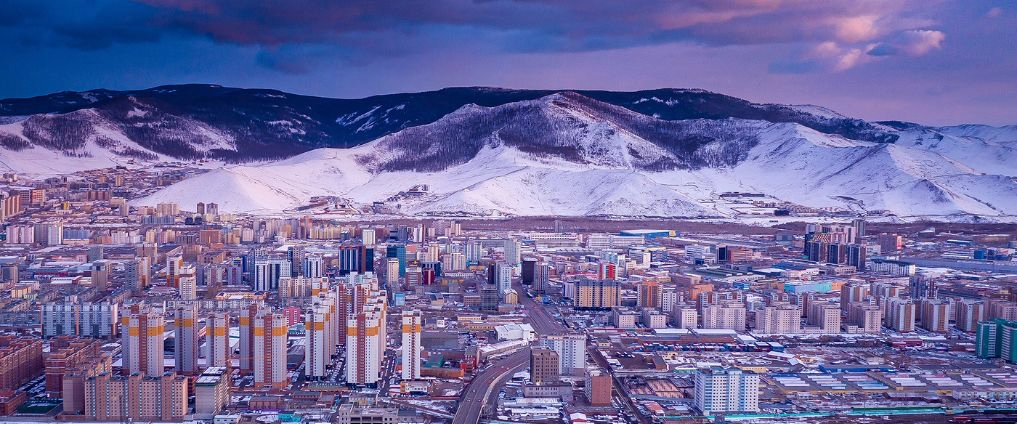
(99, 319)
(433, 252)
(246, 322)
(212, 391)
(513, 255)
(73, 355)
(727, 315)
(397, 251)
(474, 251)
(571, 350)
(174, 263)
(544, 366)
(391, 271)
(161, 397)
(412, 327)
(143, 331)
(826, 316)
(138, 274)
(503, 277)
(726, 390)
(364, 345)
(969, 314)
(648, 294)
(368, 236)
(295, 287)
(900, 315)
(217, 340)
(936, 315)
(541, 277)
(852, 293)
(188, 283)
(867, 317)
(597, 294)
(782, 318)
(528, 271)
(607, 271)
(100, 275)
(61, 318)
(185, 352)
(270, 331)
(454, 261)
(598, 388)
(355, 258)
(997, 339)
(318, 347)
(314, 266)
(71, 317)
(685, 316)
(268, 271)
(20, 361)
(890, 243)
(489, 298)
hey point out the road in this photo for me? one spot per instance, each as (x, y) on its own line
(476, 394)
(543, 322)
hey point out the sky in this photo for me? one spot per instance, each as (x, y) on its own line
(929, 61)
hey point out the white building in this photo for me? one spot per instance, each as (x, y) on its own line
(364, 346)
(412, 328)
(317, 349)
(368, 236)
(571, 349)
(653, 318)
(270, 331)
(503, 277)
(185, 335)
(685, 316)
(217, 340)
(726, 390)
(268, 271)
(314, 266)
(727, 316)
(779, 319)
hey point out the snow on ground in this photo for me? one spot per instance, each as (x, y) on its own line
(791, 163)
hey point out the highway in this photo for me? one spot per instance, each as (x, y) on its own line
(544, 324)
(476, 394)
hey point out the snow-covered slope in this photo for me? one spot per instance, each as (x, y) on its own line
(565, 154)
(665, 152)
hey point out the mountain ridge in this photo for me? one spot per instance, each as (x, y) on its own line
(493, 152)
(270, 124)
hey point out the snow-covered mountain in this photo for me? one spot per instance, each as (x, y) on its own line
(243, 125)
(486, 151)
(568, 154)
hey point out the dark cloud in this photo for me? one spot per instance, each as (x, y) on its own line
(537, 26)
(14, 12)
(802, 49)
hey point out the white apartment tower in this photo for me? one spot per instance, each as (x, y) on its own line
(143, 337)
(318, 348)
(779, 319)
(270, 332)
(185, 333)
(412, 328)
(571, 349)
(726, 390)
(217, 340)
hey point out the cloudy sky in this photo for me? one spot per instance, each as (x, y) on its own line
(929, 61)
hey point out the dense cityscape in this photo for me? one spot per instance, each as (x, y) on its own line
(115, 312)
